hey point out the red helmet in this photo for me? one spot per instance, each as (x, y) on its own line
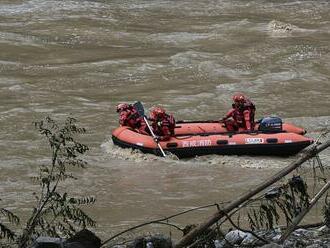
(157, 112)
(239, 98)
(122, 106)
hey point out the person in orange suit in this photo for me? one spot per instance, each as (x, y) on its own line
(163, 124)
(241, 116)
(128, 116)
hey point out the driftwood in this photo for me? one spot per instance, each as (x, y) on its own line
(307, 154)
(302, 214)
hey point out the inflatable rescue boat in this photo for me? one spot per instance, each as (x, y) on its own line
(196, 138)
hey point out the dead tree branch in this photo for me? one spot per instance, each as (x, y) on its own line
(302, 214)
(308, 153)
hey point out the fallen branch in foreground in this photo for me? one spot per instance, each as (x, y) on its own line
(308, 153)
(306, 226)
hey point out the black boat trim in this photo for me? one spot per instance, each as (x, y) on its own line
(273, 149)
(222, 142)
(272, 140)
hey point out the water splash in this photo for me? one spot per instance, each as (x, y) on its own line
(281, 27)
(204, 161)
(133, 154)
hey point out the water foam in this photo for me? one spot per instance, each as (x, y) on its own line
(132, 155)
(47, 7)
(205, 161)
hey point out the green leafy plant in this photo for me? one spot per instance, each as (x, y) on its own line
(56, 214)
(8, 217)
(288, 200)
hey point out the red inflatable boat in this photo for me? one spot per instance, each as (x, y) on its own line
(210, 137)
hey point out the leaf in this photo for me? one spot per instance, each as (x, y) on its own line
(57, 212)
(288, 219)
(5, 232)
(10, 216)
(252, 223)
(256, 219)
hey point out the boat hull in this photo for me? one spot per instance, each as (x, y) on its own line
(265, 150)
(205, 143)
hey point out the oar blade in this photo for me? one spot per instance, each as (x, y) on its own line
(139, 108)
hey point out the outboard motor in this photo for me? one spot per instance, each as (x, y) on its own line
(270, 124)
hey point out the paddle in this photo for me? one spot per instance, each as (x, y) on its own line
(140, 109)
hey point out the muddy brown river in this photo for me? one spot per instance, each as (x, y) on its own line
(82, 58)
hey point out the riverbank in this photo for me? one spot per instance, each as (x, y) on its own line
(304, 238)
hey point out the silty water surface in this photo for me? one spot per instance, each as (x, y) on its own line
(84, 57)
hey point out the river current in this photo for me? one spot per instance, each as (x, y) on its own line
(84, 57)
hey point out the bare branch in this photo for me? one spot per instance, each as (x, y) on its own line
(308, 153)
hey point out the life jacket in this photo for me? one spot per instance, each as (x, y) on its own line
(242, 115)
(131, 118)
(171, 123)
(237, 116)
(164, 126)
(250, 107)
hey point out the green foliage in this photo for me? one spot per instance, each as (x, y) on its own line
(56, 214)
(287, 200)
(5, 231)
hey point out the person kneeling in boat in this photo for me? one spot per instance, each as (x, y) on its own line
(128, 116)
(162, 124)
(241, 116)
